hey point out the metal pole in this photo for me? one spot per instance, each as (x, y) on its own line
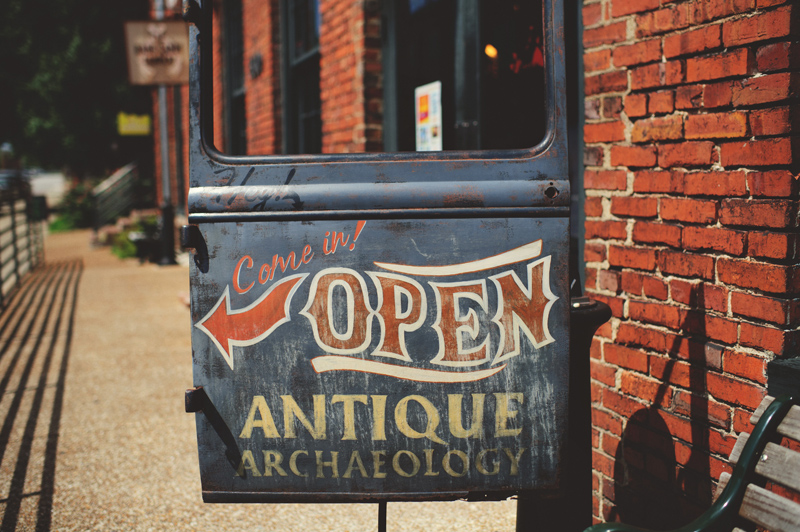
(167, 213)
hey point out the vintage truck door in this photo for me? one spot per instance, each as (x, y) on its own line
(379, 326)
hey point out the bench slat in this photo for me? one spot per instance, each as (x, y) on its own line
(760, 410)
(724, 477)
(780, 465)
(736, 452)
(769, 510)
(790, 427)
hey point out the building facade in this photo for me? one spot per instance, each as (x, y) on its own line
(690, 174)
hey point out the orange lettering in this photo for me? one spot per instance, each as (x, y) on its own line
(453, 327)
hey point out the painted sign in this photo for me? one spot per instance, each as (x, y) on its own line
(382, 358)
(428, 108)
(158, 52)
(133, 125)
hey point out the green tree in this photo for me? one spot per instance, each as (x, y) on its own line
(63, 79)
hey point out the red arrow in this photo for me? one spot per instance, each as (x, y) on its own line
(252, 324)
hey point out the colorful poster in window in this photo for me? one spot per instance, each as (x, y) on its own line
(428, 116)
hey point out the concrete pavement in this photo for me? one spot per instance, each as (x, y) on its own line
(94, 363)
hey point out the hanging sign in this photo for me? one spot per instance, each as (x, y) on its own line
(158, 52)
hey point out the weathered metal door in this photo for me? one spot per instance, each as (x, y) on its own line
(379, 327)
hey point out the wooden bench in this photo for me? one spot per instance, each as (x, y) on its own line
(741, 499)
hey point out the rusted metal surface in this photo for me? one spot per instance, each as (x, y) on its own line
(356, 359)
(379, 327)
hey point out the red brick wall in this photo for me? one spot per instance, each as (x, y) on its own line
(691, 237)
(350, 81)
(261, 27)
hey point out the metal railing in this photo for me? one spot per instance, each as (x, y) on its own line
(21, 234)
(114, 196)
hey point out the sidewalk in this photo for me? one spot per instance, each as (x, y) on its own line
(121, 446)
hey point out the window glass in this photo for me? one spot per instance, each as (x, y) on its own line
(399, 75)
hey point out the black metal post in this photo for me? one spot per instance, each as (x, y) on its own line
(571, 511)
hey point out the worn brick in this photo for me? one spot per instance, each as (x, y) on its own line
(764, 152)
(778, 341)
(778, 214)
(715, 183)
(660, 128)
(633, 156)
(625, 357)
(689, 210)
(637, 53)
(637, 207)
(639, 335)
(606, 229)
(648, 76)
(700, 295)
(639, 386)
(661, 102)
(604, 421)
(694, 153)
(702, 323)
(592, 14)
(603, 373)
(718, 94)
(642, 284)
(622, 405)
(604, 132)
(672, 371)
(693, 41)
(631, 257)
(686, 264)
(593, 156)
(591, 109)
(675, 72)
(658, 181)
(593, 207)
(764, 89)
(773, 183)
(689, 97)
(771, 309)
(608, 280)
(635, 105)
(691, 404)
(712, 10)
(775, 121)
(598, 60)
(777, 56)
(747, 366)
(594, 252)
(768, 25)
(605, 179)
(714, 238)
(620, 8)
(657, 233)
(612, 107)
(716, 125)
(740, 62)
(670, 18)
(655, 313)
(610, 34)
(615, 81)
(735, 391)
(766, 277)
(773, 245)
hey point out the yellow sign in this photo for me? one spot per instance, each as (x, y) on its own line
(133, 125)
